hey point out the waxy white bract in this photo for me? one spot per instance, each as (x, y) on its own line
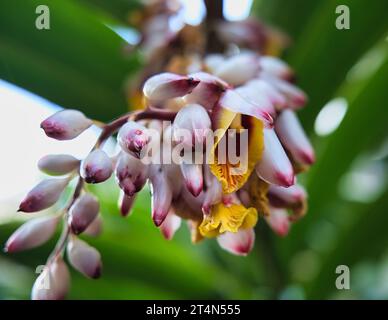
(58, 164)
(167, 86)
(275, 167)
(84, 210)
(96, 167)
(66, 124)
(84, 258)
(32, 234)
(43, 195)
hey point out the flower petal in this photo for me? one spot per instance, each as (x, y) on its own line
(293, 137)
(275, 167)
(240, 243)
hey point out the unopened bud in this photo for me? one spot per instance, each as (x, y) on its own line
(191, 125)
(126, 204)
(133, 137)
(84, 258)
(95, 228)
(278, 221)
(66, 124)
(131, 174)
(32, 234)
(161, 196)
(58, 164)
(43, 195)
(53, 283)
(96, 167)
(239, 69)
(239, 243)
(83, 212)
(274, 166)
(168, 85)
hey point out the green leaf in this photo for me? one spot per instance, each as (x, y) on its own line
(323, 55)
(364, 123)
(78, 63)
(364, 238)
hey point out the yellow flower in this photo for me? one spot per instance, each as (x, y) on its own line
(226, 172)
(227, 217)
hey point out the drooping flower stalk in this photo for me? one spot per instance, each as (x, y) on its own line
(215, 136)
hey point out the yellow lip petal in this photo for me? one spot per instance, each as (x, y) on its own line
(233, 176)
(230, 218)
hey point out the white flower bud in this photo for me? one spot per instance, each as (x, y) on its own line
(275, 67)
(170, 225)
(191, 125)
(285, 197)
(81, 214)
(274, 166)
(161, 195)
(32, 234)
(95, 228)
(58, 164)
(96, 167)
(239, 69)
(66, 124)
(239, 243)
(43, 195)
(165, 86)
(53, 283)
(279, 221)
(293, 137)
(131, 174)
(192, 174)
(233, 101)
(84, 258)
(126, 203)
(133, 137)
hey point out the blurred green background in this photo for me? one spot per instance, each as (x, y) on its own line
(81, 63)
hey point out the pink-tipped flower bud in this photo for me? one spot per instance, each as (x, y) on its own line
(239, 69)
(265, 89)
(32, 234)
(43, 195)
(239, 243)
(286, 197)
(81, 214)
(191, 125)
(276, 67)
(233, 101)
(296, 97)
(126, 203)
(161, 195)
(165, 86)
(84, 258)
(96, 167)
(279, 222)
(66, 124)
(53, 283)
(95, 228)
(257, 98)
(58, 164)
(293, 137)
(213, 195)
(274, 166)
(192, 174)
(208, 92)
(170, 225)
(133, 137)
(131, 174)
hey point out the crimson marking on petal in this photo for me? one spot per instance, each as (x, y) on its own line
(285, 180)
(308, 157)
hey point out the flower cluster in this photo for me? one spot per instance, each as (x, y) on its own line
(246, 94)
